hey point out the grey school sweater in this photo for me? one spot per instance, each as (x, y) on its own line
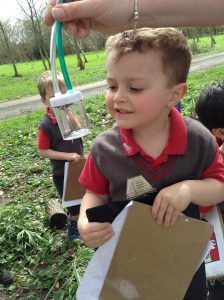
(121, 171)
(58, 144)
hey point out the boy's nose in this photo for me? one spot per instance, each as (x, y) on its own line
(120, 96)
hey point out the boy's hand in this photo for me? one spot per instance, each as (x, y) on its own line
(73, 158)
(95, 234)
(170, 202)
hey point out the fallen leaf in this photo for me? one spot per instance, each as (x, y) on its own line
(57, 285)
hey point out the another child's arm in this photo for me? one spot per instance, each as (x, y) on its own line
(57, 155)
(93, 234)
(172, 200)
(44, 149)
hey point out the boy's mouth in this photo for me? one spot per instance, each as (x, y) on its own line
(122, 111)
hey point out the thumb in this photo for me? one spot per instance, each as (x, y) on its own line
(74, 11)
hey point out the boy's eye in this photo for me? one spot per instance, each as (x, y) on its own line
(135, 90)
(111, 87)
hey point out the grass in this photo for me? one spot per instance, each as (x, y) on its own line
(47, 265)
(204, 45)
(196, 82)
(15, 88)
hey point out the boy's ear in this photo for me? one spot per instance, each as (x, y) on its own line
(178, 92)
(218, 132)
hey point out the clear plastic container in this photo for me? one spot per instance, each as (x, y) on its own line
(71, 115)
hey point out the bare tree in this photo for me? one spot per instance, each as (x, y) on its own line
(74, 42)
(212, 38)
(10, 53)
(79, 42)
(32, 14)
(81, 63)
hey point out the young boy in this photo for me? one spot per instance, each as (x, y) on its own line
(210, 111)
(152, 143)
(52, 145)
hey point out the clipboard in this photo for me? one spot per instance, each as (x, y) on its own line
(73, 192)
(148, 254)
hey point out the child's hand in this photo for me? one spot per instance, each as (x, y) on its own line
(73, 158)
(95, 234)
(170, 202)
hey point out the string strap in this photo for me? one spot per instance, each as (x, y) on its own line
(128, 35)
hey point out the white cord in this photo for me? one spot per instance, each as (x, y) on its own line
(53, 60)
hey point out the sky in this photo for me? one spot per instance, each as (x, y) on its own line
(10, 9)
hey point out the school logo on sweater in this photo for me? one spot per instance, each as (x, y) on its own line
(138, 186)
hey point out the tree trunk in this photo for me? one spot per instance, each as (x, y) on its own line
(41, 39)
(213, 42)
(33, 16)
(81, 50)
(16, 73)
(81, 64)
(11, 58)
(43, 59)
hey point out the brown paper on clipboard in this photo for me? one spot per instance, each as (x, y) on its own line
(73, 190)
(154, 262)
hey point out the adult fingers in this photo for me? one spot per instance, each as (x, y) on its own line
(75, 11)
(79, 28)
(48, 18)
(80, 17)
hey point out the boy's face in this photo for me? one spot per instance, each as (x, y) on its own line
(50, 94)
(137, 94)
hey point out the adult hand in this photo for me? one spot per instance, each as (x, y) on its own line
(112, 16)
(79, 17)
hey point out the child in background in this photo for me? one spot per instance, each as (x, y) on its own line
(176, 157)
(210, 111)
(52, 145)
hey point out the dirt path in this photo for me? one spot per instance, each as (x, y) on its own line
(29, 104)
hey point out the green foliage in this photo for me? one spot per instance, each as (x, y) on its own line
(196, 82)
(46, 265)
(203, 45)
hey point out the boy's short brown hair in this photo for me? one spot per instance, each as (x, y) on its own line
(172, 45)
(45, 80)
